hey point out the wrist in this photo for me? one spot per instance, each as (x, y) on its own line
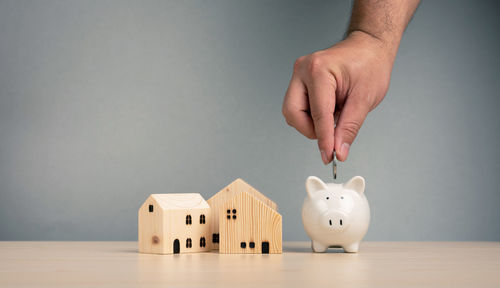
(387, 45)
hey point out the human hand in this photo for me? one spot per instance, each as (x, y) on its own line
(342, 84)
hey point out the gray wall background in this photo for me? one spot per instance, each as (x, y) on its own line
(105, 102)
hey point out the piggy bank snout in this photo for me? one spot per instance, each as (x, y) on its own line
(334, 220)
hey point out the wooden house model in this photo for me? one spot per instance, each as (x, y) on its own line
(243, 220)
(174, 223)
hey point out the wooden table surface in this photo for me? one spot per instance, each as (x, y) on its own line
(378, 264)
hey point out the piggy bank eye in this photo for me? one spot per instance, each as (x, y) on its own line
(341, 197)
(327, 198)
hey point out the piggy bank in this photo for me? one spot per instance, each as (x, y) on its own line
(335, 215)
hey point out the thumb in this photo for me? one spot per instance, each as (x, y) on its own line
(351, 118)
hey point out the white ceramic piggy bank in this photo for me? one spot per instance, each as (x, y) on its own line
(335, 215)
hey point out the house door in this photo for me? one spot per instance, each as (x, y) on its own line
(265, 247)
(177, 246)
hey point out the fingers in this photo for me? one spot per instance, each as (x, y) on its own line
(310, 102)
(322, 103)
(296, 107)
(351, 118)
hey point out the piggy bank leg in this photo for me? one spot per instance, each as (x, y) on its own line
(351, 248)
(318, 247)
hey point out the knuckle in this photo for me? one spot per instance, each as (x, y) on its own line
(316, 64)
(319, 116)
(310, 136)
(284, 111)
(298, 63)
(325, 142)
(351, 129)
(288, 114)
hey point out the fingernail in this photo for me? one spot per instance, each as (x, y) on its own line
(344, 150)
(323, 157)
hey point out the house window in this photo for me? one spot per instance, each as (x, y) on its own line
(189, 243)
(203, 243)
(202, 219)
(150, 208)
(251, 244)
(188, 220)
(215, 238)
(231, 214)
(243, 245)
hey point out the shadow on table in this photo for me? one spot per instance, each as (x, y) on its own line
(291, 248)
(287, 248)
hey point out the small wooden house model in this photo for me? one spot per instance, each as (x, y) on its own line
(174, 223)
(243, 220)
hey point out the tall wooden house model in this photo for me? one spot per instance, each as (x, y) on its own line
(243, 220)
(238, 219)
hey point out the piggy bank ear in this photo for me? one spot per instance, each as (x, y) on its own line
(357, 184)
(313, 185)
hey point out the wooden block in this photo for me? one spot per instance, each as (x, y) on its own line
(174, 223)
(247, 225)
(217, 202)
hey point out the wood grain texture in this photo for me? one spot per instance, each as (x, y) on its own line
(158, 230)
(227, 193)
(378, 264)
(253, 222)
(152, 226)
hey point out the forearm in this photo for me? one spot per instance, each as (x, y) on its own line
(383, 20)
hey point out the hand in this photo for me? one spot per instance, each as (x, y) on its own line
(342, 84)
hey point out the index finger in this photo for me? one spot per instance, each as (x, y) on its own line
(296, 107)
(321, 91)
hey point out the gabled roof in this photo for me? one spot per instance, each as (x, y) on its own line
(238, 186)
(180, 201)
